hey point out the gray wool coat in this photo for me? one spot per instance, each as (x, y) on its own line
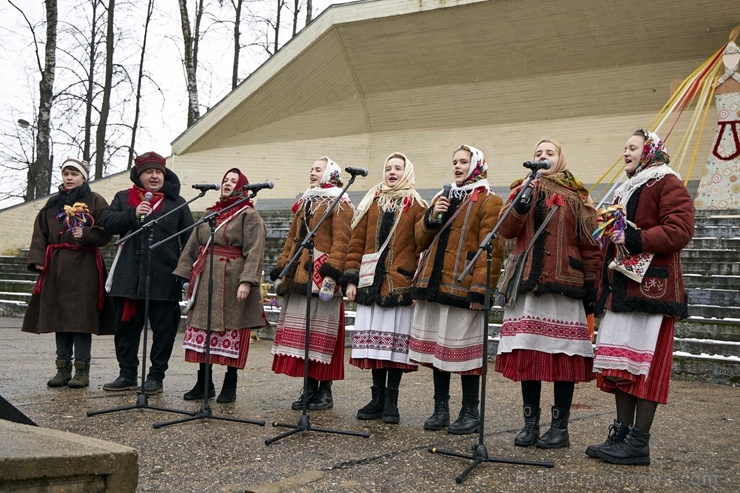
(245, 231)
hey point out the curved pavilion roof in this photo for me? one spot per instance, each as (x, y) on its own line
(421, 77)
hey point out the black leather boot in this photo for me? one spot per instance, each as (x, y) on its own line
(467, 421)
(390, 412)
(441, 416)
(633, 450)
(322, 400)
(313, 386)
(196, 392)
(617, 433)
(557, 436)
(531, 431)
(374, 408)
(228, 391)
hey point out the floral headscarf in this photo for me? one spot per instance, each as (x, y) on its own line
(477, 176)
(329, 187)
(401, 194)
(654, 152)
(653, 165)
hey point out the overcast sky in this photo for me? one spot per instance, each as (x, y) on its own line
(164, 115)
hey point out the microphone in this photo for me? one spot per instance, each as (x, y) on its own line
(446, 194)
(206, 186)
(537, 165)
(356, 171)
(524, 199)
(147, 198)
(256, 187)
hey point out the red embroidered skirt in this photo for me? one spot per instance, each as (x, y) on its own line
(655, 385)
(293, 366)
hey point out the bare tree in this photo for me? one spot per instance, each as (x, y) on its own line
(107, 88)
(309, 13)
(296, 10)
(39, 171)
(276, 26)
(237, 41)
(137, 97)
(190, 40)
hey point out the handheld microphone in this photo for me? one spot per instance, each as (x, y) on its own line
(526, 195)
(356, 171)
(206, 186)
(147, 198)
(256, 187)
(537, 165)
(446, 188)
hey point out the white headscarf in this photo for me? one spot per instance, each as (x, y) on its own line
(391, 198)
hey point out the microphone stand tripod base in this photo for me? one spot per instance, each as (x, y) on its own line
(142, 402)
(304, 424)
(205, 412)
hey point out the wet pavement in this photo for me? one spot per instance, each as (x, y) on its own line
(695, 443)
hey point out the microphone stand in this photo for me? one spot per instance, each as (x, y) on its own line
(142, 401)
(480, 453)
(205, 409)
(304, 422)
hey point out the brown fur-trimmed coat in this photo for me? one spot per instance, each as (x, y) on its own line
(564, 259)
(448, 256)
(397, 264)
(664, 213)
(332, 238)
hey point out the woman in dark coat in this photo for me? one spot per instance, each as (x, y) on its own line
(69, 298)
(236, 305)
(545, 334)
(641, 294)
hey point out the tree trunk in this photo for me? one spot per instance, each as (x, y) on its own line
(191, 59)
(39, 173)
(137, 107)
(296, 9)
(105, 105)
(309, 12)
(237, 46)
(90, 83)
(276, 44)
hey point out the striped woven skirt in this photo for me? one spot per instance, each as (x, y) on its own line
(545, 338)
(326, 338)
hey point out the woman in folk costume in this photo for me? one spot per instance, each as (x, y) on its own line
(326, 342)
(69, 298)
(641, 293)
(239, 254)
(447, 331)
(384, 225)
(545, 335)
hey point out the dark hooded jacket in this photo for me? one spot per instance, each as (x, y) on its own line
(129, 276)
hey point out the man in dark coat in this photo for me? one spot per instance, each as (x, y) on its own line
(156, 191)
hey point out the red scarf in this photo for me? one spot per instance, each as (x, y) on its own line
(238, 194)
(137, 195)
